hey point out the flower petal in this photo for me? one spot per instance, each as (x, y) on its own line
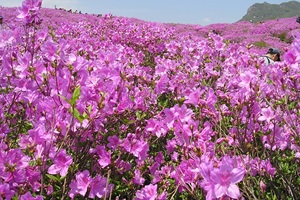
(233, 191)
(237, 175)
(220, 190)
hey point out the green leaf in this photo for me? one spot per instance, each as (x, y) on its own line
(76, 114)
(53, 177)
(75, 96)
(163, 100)
(84, 115)
(89, 108)
(127, 121)
(140, 115)
(15, 197)
(292, 105)
(64, 98)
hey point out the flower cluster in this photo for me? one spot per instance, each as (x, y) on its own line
(116, 108)
(29, 10)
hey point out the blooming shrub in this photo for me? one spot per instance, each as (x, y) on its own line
(113, 108)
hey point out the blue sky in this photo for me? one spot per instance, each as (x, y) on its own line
(201, 12)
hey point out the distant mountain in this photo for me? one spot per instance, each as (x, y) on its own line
(264, 11)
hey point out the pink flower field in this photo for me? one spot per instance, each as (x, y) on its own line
(107, 107)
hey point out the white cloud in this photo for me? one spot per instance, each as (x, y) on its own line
(206, 20)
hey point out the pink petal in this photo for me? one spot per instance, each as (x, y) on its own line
(215, 176)
(53, 169)
(237, 175)
(262, 118)
(64, 171)
(233, 191)
(210, 195)
(220, 190)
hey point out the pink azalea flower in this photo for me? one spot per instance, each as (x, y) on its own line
(5, 191)
(28, 196)
(278, 138)
(290, 57)
(33, 178)
(267, 167)
(194, 97)
(157, 127)
(104, 156)
(99, 187)
(162, 84)
(267, 114)
(225, 180)
(245, 80)
(33, 4)
(211, 98)
(140, 149)
(22, 68)
(149, 192)
(123, 166)
(221, 182)
(138, 179)
(176, 113)
(125, 103)
(23, 12)
(49, 48)
(262, 186)
(36, 136)
(29, 10)
(163, 196)
(49, 189)
(12, 165)
(113, 142)
(80, 184)
(61, 163)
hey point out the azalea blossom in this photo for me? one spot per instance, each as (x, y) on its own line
(139, 148)
(149, 192)
(267, 114)
(28, 196)
(61, 163)
(220, 182)
(138, 179)
(13, 164)
(104, 156)
(154, 113)
(80, 184)
(100, 188)
(5, 191)
(29, 10)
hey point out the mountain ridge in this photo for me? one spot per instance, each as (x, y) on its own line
(265, 11)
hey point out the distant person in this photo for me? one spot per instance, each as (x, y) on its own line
(1, 19)
(273, 55)
(298, 20)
